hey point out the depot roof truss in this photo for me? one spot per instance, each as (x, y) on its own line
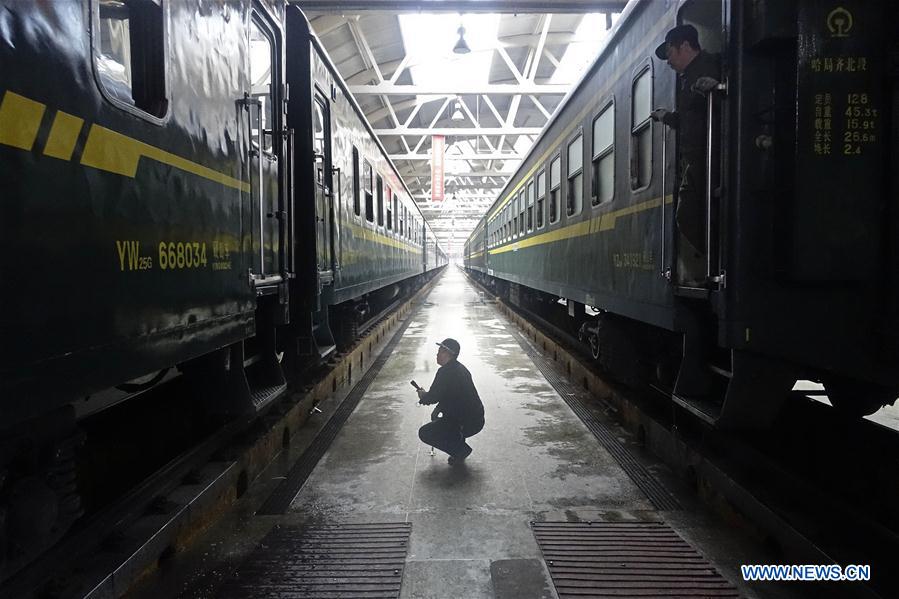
(488, 126)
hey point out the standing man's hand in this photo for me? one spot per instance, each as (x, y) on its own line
(659, 114)
(421, 394)
(704, 85)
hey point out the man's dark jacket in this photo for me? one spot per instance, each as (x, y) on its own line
(690, 118)
(454, 393)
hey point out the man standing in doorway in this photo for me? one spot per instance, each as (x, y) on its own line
(698, 74)
(459, 413)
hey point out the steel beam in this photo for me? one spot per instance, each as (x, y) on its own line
(471, 156)
(455, 89)
(451, 131)
(463, 6)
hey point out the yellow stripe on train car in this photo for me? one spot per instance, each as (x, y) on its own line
(362, 233)
(111, 151)
(105, 149)
(63, 135)
(20, 119)
(598, 224)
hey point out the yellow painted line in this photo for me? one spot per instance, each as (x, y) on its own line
(113, 152)
(63, 135)
(598, 224)
(368, 235)
(20, 118)
(648, 40)
(476, 254)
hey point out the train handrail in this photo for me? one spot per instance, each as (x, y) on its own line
(709, 162)
(663, 271)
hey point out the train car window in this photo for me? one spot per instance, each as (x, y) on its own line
(318, 142)
(129, 53)
(514, 205)
(389, 211)
(555, 185)
(575, 194)
(380, 202)
(530, 205)
(541, 197)
(603, 184)
(367, 191)
(641, 130)
(356, 182)
(521, 201)
(261, 85)
(396, 212)
(518, 211)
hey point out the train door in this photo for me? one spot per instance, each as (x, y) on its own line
(698, 178)
(324, 197)
(266, 123)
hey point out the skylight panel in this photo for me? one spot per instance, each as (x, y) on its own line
(581, 52)
(429, 39)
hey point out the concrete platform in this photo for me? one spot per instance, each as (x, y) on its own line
(471, 536)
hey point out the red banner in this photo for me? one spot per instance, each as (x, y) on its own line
(438, 147)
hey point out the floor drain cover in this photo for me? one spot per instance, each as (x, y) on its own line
(340, 560)
(633, 559)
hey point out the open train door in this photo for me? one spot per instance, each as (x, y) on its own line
(324, 195)
(264, 105)
(698, 157)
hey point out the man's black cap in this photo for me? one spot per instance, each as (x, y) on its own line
(450, 345)
(676, 37)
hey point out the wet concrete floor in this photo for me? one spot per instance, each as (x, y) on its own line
(471, 535)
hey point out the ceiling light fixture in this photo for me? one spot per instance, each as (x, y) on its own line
(457, 112)
(461, 47)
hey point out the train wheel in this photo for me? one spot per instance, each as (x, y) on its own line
(39, 496)
(856, 399)
(594, 346)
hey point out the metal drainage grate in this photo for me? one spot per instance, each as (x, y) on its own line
(576, 399)
(281, 498)
(342, 560)
(632, 559)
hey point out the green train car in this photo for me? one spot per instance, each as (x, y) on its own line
(188, 189)
(799, 212)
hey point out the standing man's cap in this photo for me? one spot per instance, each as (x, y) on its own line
(450, 345)
(676, 37)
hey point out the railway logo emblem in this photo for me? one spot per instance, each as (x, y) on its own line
(839, 21)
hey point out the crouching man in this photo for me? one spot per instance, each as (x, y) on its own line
(459, 413)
